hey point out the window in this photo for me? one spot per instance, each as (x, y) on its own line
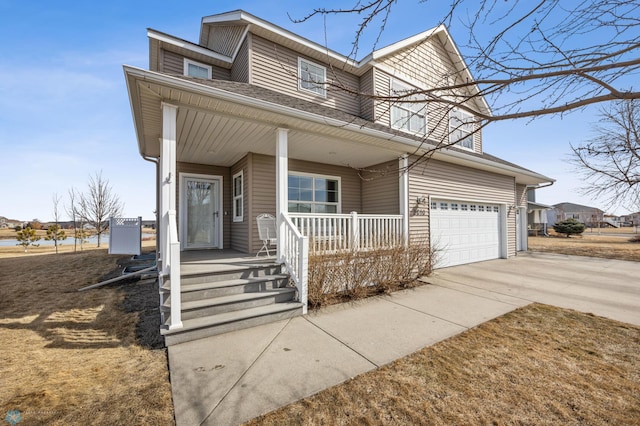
(312, 77)
(196, 69)
(314, 194)
(496, 209)
(454, 206)
(463, 207)
(434, 205)
(444, 206)
(461, 128)
(238, 199)
(472, 207)
(409, 116)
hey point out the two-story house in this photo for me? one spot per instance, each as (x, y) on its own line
(590, 216)
(253, 119)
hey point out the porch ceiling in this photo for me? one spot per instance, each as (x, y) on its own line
(219, 132)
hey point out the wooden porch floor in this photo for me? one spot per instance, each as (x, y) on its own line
(212, 261)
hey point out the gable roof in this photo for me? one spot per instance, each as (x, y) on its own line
(241, 19)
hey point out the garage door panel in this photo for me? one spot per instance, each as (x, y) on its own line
(465, 232)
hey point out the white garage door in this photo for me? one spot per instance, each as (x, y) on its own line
(465, 232)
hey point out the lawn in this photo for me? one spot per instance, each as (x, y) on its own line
(589, 244)
(536, 365)
(79, 358)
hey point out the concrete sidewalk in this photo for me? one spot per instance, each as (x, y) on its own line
(234, 377)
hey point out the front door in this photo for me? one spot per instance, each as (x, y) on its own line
(200, 203)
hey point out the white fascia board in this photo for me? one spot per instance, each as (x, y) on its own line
(165, 38)
(404, 43)
(133, 105)
(245, 17)
(316, 118)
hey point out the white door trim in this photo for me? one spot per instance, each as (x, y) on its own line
(183, 209)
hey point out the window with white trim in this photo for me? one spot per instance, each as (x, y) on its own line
(314, 193)
(461, 128)
(238, 197)
(196, 69)
(312, 77)
(408, 116)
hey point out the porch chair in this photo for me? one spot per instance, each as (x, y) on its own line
(266, 232)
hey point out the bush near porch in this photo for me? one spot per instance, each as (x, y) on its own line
(348, 275)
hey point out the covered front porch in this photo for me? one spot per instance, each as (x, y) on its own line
(244, 154)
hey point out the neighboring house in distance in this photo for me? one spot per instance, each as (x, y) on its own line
(249, 119)
(536, 215)
(590, 216)
(632, 219)
(6, 223)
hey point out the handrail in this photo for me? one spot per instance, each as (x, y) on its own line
(295, 254)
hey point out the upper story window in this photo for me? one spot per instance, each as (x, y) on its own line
(196, 69)
(314, 193)
(312, 77)
(408, 116)
(461, 128)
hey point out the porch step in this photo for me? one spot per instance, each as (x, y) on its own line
(220, 288)
(197, 274)
(234, 302)
(198, 328)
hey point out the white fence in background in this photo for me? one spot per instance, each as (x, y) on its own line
(125, 235)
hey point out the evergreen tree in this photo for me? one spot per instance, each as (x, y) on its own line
(569, 226)
(27, 237)
(55, 234)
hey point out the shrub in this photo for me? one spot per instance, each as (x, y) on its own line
(349, 275)
(568, 227)
(635, 239)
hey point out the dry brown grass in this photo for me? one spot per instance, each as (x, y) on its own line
(609, 247)
(74, 358)
(536, 365)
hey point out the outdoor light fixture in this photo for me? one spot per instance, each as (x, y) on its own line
(421, 200)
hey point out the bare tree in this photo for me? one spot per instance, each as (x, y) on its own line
(98, 204)
(610, 161)
(529, 58)
(73, 211)
(54, 232)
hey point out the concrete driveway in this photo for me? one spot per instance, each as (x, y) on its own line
(605, 287)
(233, 377)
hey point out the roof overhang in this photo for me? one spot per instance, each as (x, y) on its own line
(314, 137)
(537, 206)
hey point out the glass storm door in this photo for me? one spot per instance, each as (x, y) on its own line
(201, 209)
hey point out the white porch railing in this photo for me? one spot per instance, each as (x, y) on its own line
(170, 256)
(295, 253)
(336, 232)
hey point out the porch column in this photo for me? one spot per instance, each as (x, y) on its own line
(167, 184)
(282, 183)
(403, 165)
(168, 231)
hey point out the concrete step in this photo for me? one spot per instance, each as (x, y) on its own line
(198, 328)
(201, 274)
(234, 302)
(211, 289)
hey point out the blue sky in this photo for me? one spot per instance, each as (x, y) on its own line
(64, 109)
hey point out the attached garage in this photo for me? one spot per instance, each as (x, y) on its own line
(465, 231)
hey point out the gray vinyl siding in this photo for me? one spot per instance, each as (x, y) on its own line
(222, 38)
(173, 63)
(381, 189)
(366, 103)
(429, 64)
(205, 169)
(276, 67)
(240, 230)
(262, 181)
(381, 88)
(439, 179)
(154, 55)
(240, 67)
(263, 191)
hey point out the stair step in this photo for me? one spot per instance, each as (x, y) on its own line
(190, 275)
(198, 328)
(234, 302)
(211, 289)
